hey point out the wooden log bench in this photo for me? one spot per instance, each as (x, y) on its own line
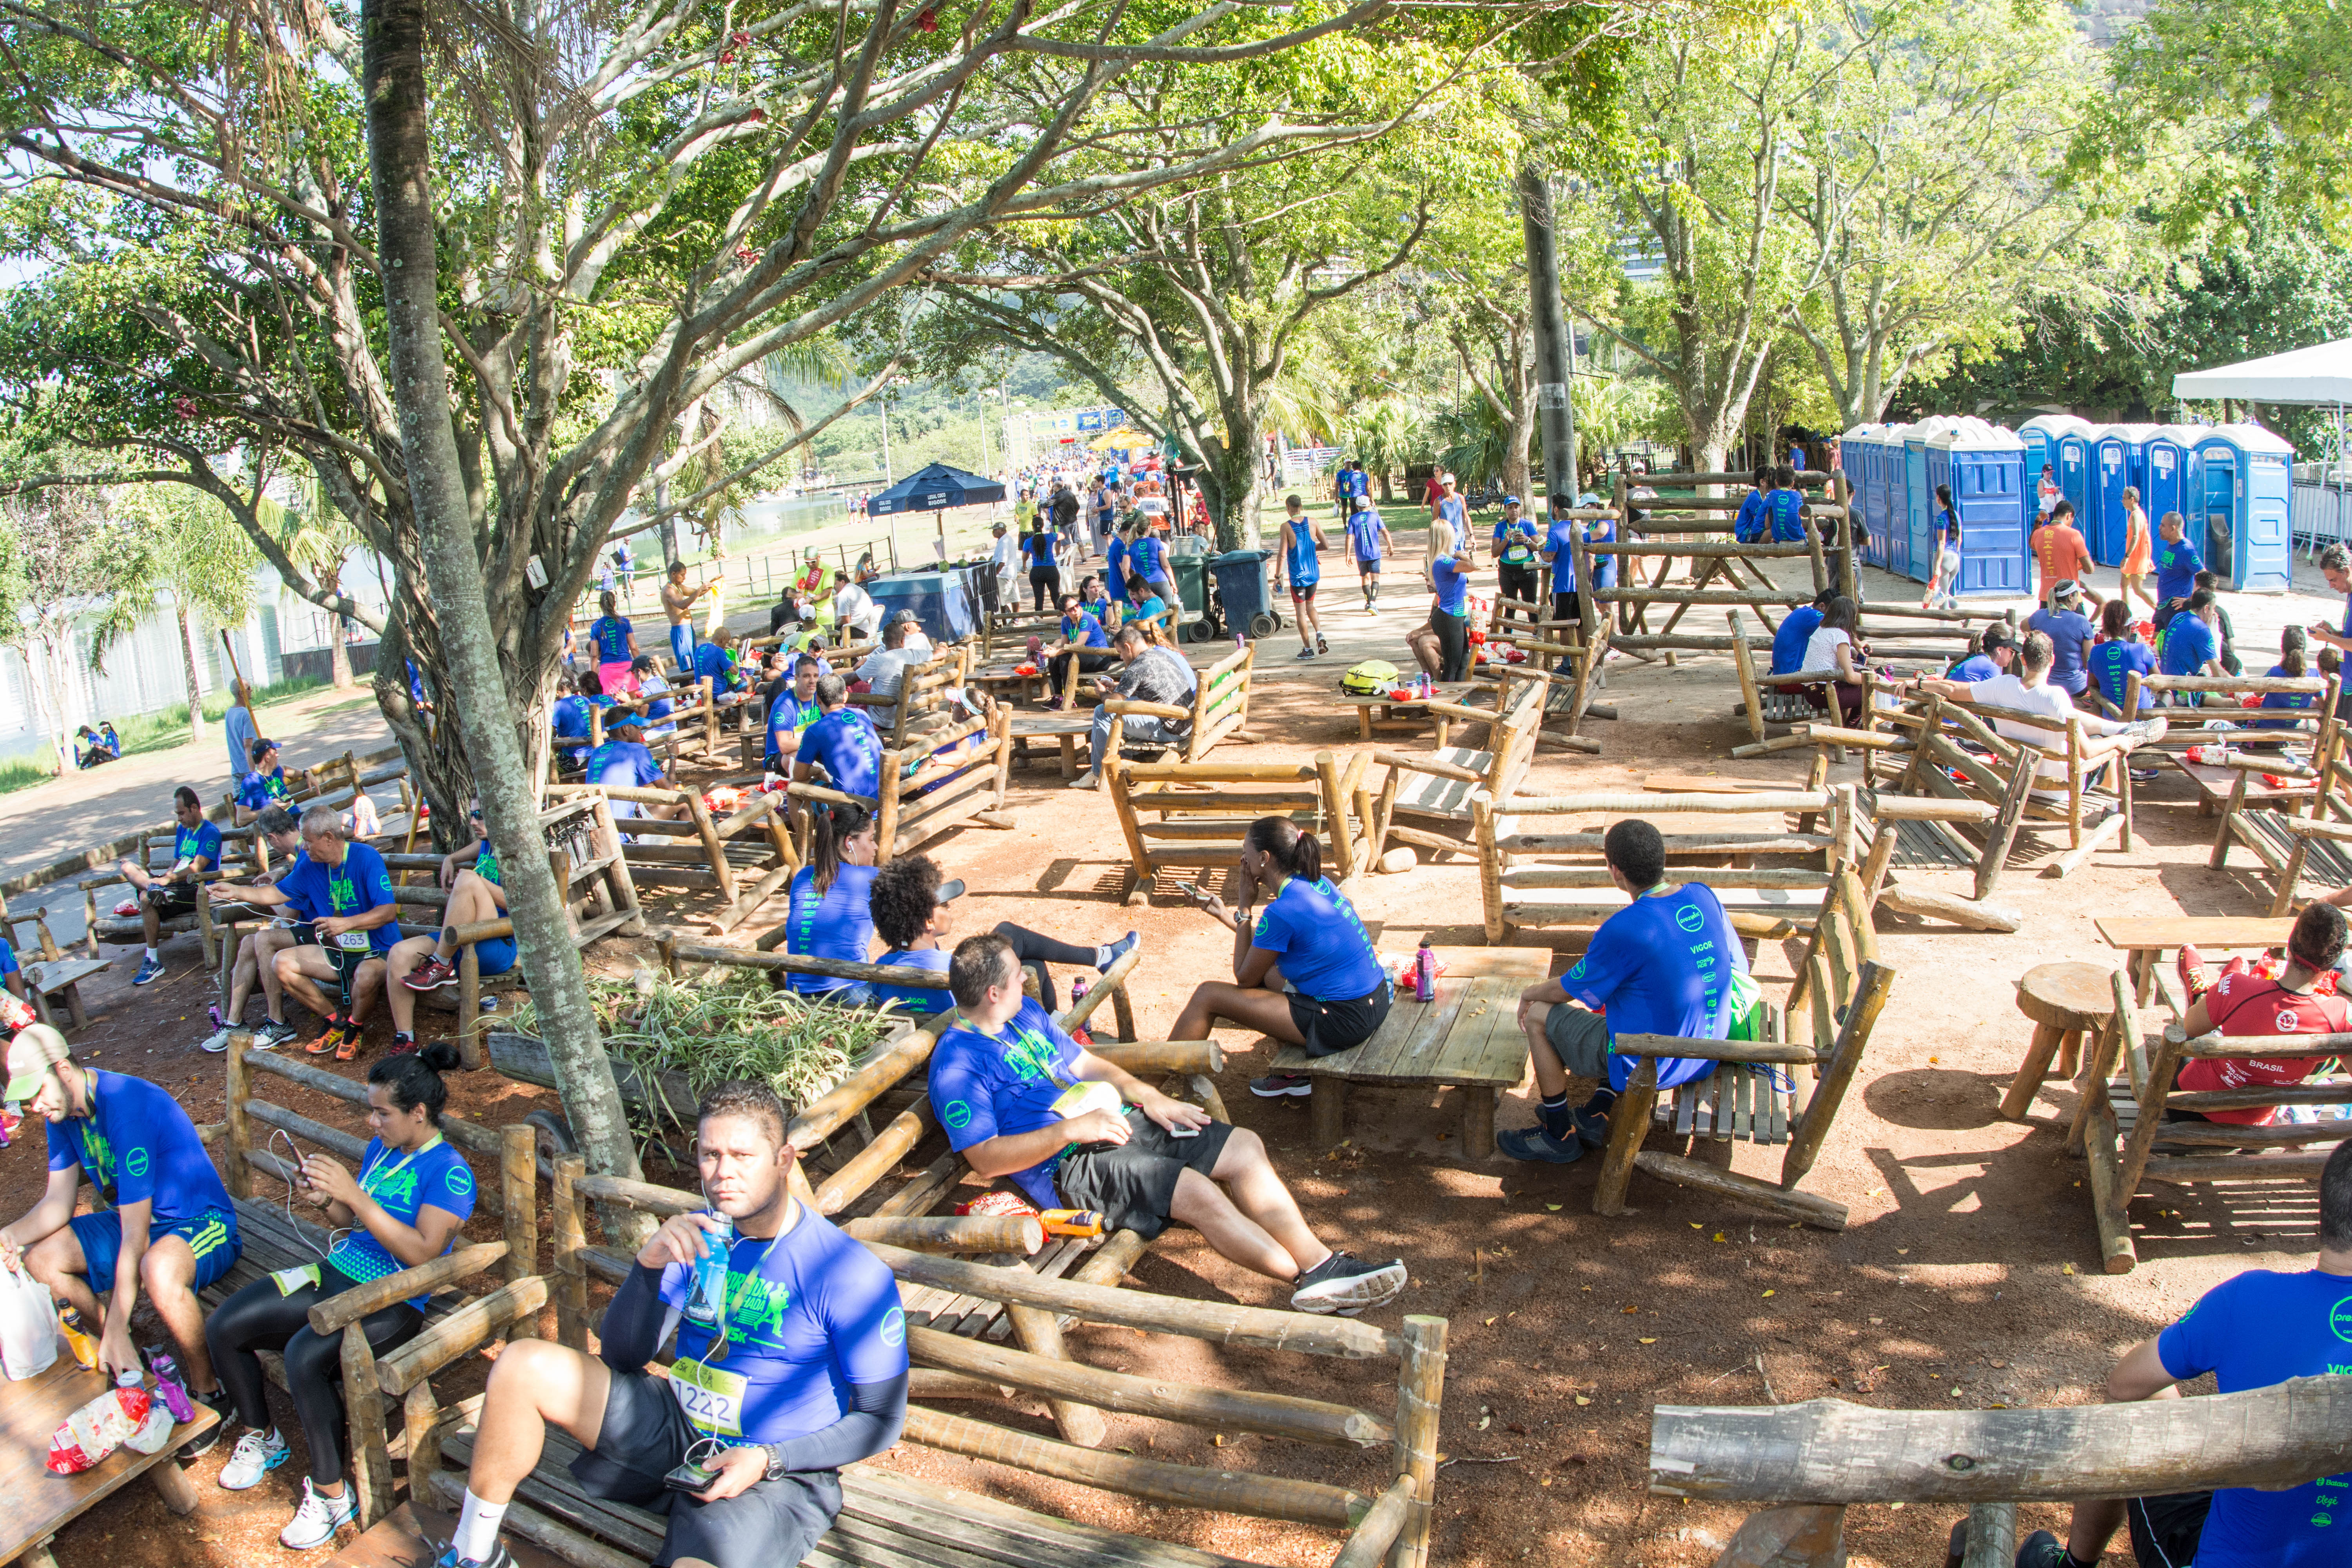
(1180, 816)
(1468, 1040)
(890, 1518)
(1424, 801)
(274, 1238)
(52, 976)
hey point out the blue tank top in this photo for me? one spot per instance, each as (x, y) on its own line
(1298, 553)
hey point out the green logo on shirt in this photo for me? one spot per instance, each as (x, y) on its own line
(1690, 917)
(136, 1163)
(460, 1180)
(957, 1116)
(2339, 1319)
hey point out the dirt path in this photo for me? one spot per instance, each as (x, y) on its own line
(1969, 1275)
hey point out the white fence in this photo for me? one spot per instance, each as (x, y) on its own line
(2323, 512)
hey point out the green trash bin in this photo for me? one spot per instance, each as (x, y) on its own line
(1192, 573)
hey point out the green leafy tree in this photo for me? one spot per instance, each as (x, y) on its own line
(73, 576)
(183, 548)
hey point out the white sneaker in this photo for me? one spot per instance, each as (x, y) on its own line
(315, 1522)
(216, 1042)
(256, 1454)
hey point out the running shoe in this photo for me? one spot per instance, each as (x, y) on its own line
(216, 1042)
(329, 1038)
(1535, 1144)
(150, 970)
(402, 1046)
(1321, 644)
(2192, 966)
(1348, 1285)
(217, 1402)
(2039, 1549)
(1118, 949)
(347, 1042)
(1307, 653)
(256, 1454)
(431, 976)
(500, 1557)
(272, 1034)
(1278, 1085)
(315, 1522)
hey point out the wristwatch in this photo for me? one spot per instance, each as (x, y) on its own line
(776, 1471)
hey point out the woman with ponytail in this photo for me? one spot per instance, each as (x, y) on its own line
(412, 1195)
(616, 645)
(2294, 662)
(831, 912)
(1329, 991)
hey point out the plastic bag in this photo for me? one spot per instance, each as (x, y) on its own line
(28, 1326)
(86, 1437)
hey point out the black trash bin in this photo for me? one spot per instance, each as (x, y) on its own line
(1243, 601)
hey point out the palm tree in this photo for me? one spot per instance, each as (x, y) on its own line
(1386, 437)
(320, 541)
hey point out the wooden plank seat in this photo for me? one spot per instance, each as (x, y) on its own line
(1424, 801)
(1066, 729)
(2293, 850)
(1468, 1040)
(2127, 1140)
(2146, 938)
(1838, 991)
(52, 977)
(956, 777)
(1219, 709)
(1191, 815)
(41, 1502)
(746, 856)
(273, 1239)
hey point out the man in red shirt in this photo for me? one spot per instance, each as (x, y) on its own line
(2060, 551)
(2302, 1000)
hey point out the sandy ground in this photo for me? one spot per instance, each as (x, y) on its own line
(1969, 1275)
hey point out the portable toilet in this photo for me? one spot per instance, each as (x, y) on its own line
(1858, 455)
(2164, 470)
(2118, 462)
(1984, 467)
(2240, 483)
(1910, 545)
(2041, 434)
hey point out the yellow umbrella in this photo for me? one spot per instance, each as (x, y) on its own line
(1124, 439)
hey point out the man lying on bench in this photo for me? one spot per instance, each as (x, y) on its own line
(790, 1363)
(1020, 1099)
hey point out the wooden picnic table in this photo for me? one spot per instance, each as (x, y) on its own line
(2147, 938)
(40, 1503)
(1409, 715)
(1468, 1039)
(1005, 680)
(1069, 728)
(2214, 786)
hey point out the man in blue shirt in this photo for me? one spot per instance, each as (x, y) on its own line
(1368, 540)
(790, 1363)
(1020, 1099)
(793, 711)
(168, 895)
(1750, 526)
(2175, 560)
(1784, 509)
(1665, 965)
(842, 744)
(2190, 645)
(2257, 1330)
(262, 786)
(348, 892)
(1797, 629)
(164, 1227)
(714, 660)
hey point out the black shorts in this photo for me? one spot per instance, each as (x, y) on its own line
(1302, 593)
(1133, 1184)
(171, 899)
(2166, 1528)
(1333, 1027)
(644, 1437)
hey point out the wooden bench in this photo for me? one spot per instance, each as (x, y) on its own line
(746, 856)
(53, 978)
(1424, 801)
(1835, 1455)
(928, 793)
(1538, 870)
(41, 1503)
(1381, 710)
(889, 1519)
(1192, 815)
(1468, 1039)
(1219, 709)
(1753, 1095)
(2120, 1128)
(455, 1324)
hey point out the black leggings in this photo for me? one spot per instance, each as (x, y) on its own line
(1453, 645)
(260, 1318)
(1518, 583)
(1091, 660)
(1047, 584)
(1036, 951)
(1563, 607)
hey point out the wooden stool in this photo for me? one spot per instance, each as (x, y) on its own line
(2065, 1001)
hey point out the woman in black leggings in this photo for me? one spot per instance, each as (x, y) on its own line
(1042, 547)
(412, 1195)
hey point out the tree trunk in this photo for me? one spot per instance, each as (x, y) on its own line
(188, 664)
(1388, 493)
(474, 692)
(49, 688)
(338, 652)
(1518, 431)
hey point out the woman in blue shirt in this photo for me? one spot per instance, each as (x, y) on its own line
(1084, 641)
(1040, 548)
(405, 1208)
(1330, 991)
(616, 645)
(1147, 568)
(1946, 576)
(2294, 665)
(1442, 645)
(2117, 656)
(831, 915)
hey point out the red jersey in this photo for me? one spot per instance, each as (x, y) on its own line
(2059, 547)
(2252, 1005)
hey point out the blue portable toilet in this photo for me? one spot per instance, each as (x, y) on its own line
(2118, 462)
(1885, 492)
(1984, 467)
(2074, 458)
(2164, 470)
(1913, 529)
(2041, 434)
(1859, 451)
(2241, 486)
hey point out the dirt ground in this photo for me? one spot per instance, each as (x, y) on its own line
(1968, 1276)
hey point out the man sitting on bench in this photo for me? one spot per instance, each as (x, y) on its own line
(429, 963)
(169, 1228)
(256, 954)
(2025, 686)
(195, 850)
(349, 894)
(797, 1368)
(1151, 675)
(1020, 1099)
(1662, 965)
(2255, 1330)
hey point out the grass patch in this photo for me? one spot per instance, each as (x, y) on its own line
(23, 772)
(169, 726)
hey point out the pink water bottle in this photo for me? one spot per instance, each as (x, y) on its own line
(1424, 974)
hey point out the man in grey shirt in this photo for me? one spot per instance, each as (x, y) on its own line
(1149, 674)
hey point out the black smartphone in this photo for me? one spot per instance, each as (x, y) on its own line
(689, 1476)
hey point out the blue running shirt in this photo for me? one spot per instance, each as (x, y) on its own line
(1298, 558)
(611, 635)
(983, 1085)
(360, 884)
(836, 923)
(435, 1176)
(1658, 967)
(1327, 955)
(1364, 534)
(137, 1145)
(844, 744)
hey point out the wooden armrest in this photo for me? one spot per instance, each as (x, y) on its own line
(1713, 1050)
(339, 1311)
(1378, 1529)
(1430, 765)
(1157, 709)
(818, 792)
(481, 931)
(1456, 711)
(467, 1329)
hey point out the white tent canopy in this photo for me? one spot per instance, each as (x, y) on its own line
(2321, 373)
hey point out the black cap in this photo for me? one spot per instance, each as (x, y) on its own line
(1999, 635)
